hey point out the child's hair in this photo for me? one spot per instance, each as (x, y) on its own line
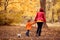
(28, 20)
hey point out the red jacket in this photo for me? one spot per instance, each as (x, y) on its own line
(40, 16)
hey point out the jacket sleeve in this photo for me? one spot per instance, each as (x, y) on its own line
(44, 16)
(36, 17)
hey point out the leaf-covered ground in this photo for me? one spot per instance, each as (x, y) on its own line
(10, 33)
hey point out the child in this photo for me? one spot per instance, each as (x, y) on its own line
(28, 27)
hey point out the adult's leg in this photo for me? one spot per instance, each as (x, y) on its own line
(40, 28)
(37, 28)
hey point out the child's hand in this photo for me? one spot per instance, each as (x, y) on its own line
(34, 21)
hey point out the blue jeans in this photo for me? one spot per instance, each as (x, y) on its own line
(27, 33)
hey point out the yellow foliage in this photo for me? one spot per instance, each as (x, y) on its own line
(26, 5)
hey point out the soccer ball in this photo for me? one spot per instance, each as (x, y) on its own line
(19, 35)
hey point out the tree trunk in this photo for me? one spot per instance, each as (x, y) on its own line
(43, 4)
(5, 5)
(52, 15)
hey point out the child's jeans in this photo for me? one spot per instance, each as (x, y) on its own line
(27, 33)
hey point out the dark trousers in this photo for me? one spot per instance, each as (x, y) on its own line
(27, 33)
(39, 24)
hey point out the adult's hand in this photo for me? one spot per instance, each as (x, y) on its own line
(45, 25)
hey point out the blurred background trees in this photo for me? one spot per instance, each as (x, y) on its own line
(17, 11)
(9, 13)
(52, 13)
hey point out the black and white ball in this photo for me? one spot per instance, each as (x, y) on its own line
(19, 35)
